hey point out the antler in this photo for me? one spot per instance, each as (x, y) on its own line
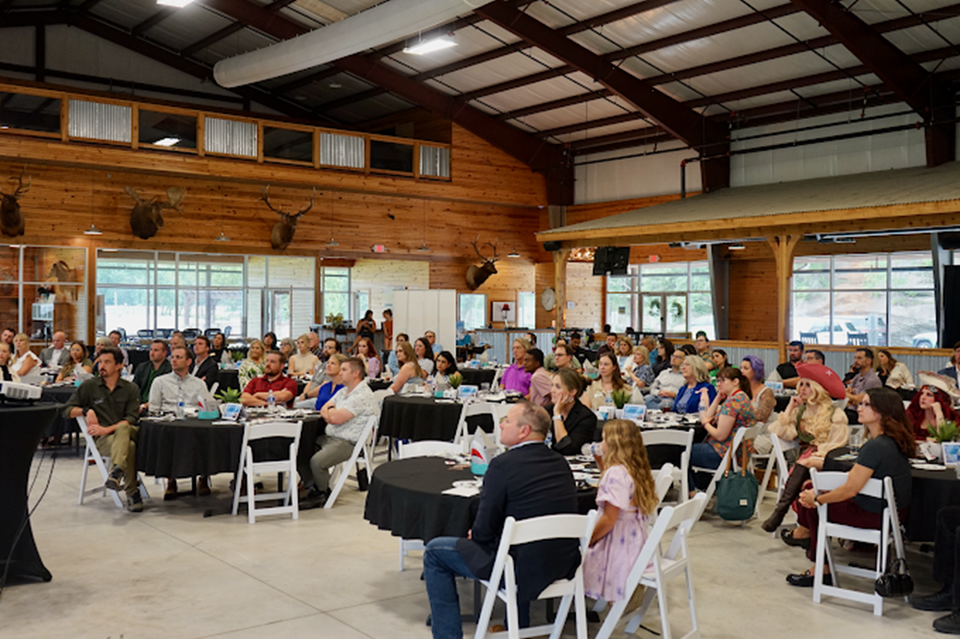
(266, 198)
(493, 246)
(308, 206)
(496, 255)
(20, 190)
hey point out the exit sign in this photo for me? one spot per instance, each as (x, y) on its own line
(378, 248)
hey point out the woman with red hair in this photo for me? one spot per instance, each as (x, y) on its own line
(933, 403)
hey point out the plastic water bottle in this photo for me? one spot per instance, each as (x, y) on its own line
(180, 403)
(592, 449)
(271, 401)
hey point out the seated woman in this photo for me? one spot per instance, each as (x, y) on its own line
(303, 362)
(219, 351)
(252, 366)
(886, 453)
(598, 393)
(812, 420)
(270, 342)
(7, 374)
(764, 401)
(516, 378)
(446, 366)
(719, 359)
(25, 360)
(78, 362)
(664, 352)
(891, 372)
(639, 372)
(329, 388)
(697, 379)
(624, 351)
(729, 411)
(424, 353)
(287, 348)
(664, 389)
(410, 371)
(933, 404)
(368, 353)
(573, 423)
(626, 499)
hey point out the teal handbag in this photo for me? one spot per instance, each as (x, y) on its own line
(737, 492)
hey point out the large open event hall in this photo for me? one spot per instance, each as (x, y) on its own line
(310, 310)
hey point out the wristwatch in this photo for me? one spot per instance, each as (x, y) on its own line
(558, 417)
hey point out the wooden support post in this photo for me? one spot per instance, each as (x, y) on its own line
(783, 247)
(560, 286)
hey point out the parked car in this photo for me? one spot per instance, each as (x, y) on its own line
(925, 340)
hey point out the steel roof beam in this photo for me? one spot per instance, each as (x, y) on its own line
(905, 77)
(708, 138)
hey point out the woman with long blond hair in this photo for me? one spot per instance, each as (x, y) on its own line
(816, 424)
(252, 366)
(626, 498)
(410, 371)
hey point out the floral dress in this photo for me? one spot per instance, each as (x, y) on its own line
(248, 370)
(609, 561)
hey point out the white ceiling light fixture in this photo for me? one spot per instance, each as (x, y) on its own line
(387, 22)
(430, 45)
(179, 4)
(167, 142)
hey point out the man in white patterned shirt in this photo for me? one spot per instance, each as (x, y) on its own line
(346, 415)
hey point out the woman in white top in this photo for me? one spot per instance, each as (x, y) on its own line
(893, 373)
(24, 359)
(410, 371)
(304, 361)
(424, 354)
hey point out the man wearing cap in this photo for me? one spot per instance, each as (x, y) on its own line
(865, 378)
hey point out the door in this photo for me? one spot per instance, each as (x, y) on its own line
(676, 314)
(651, 305)
(664, 313)
(277, 311)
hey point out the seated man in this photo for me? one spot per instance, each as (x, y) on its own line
(313, 341)
(167, 391)
(952, 371)
(151, 369)
(258, 390)
(813, 356)
(115, 338)
(529, 480)
(865, 378)
(346, 415)
(204, 367)
(58, 353)
(787, 371)
(111, 407)
(702, 349)
(610, 345)
(539, 377)
(946, 569)
(434, 346)
(579, 352)
(320, 377)
(561, 357)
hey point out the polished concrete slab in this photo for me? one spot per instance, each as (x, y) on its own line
(172, 572)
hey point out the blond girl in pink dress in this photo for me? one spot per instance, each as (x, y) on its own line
(626, 499)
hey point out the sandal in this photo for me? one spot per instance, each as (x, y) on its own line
(790, 540)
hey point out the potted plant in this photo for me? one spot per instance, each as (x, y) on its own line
(941, 433)
(620, 397)
(336, 323)
(228, 396)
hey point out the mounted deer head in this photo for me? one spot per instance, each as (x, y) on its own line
(283, 231)
(11, 219)
(146, 218)
(477, 275)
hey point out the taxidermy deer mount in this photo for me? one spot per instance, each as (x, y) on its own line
(477, 275)
(283, 231)
(146, 218)
(11, 219)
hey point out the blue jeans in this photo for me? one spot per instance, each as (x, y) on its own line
(702, 455)
(441, 565)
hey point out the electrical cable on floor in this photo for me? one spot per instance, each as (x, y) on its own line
(26, 519)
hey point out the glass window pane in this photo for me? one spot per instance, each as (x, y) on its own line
(811, 273)
(652, 314)
(166, 269)
(303, 311)
(225, 308)
(29, 112)
(291, 271)
(620, 284)
(391, 156)
(166, 308)
(701, 314)
(256, 272)
(336, 304)
(860, 272)
(188, 310)
(663, 277)
(168, 130)
(911, 271)
(811, 317)
(124, 267)
(676, 313)
(187, 271)
(472, 311)
(286, 144)
(857, 313)
(526, 309)
(620, 311)
(913, 319)
(700, 282)
(254, 313)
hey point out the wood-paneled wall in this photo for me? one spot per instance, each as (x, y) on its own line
(512, 276)
(586, 293)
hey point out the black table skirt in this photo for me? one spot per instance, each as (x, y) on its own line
(932, 490)
(477, 376)
(138, 356)
(19, 436)
(423, 418)
(193, 447)
(406, 497)
(229, 378)
(60, 425)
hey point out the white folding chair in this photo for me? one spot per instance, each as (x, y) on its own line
(671, 437)
(527, 531)
(248, 468)
(422, 449)
(654, 568)
(889, 532)
(362, 453)
(214, 389)
(103, 463)
(498, 410)
(471, 408)
(495, 384)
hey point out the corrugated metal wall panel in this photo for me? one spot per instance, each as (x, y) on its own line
(98, 121)
(230, 136)
(435, 161)
(341, 150)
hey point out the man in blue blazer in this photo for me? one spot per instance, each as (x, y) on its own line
(953, 371)
(529, 480)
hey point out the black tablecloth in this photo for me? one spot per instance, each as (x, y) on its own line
(478, 376)
(137, 356)
(406, 497)
(60, 425)
(422, 418)
(192, 447)
(20, 431)
(229, 378)
(782, 401)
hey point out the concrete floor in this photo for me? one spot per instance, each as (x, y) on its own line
(171, 573)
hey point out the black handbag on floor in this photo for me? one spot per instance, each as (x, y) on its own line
(896, 581)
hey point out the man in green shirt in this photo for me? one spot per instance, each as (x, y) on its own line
(148, 371)
(111, 407)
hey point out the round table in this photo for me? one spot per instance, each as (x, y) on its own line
(60, 425)
(420, 418)
(932, 490)
(23, 426)
(477, 376)
(193, 447)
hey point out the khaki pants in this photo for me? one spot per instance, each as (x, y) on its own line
(121, 447)
(332, 451)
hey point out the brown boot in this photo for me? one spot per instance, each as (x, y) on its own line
(791, 491)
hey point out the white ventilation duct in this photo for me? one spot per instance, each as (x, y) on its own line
(385, 23)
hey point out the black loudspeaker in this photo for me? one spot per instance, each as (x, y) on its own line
(552, 246)
(951, 307)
